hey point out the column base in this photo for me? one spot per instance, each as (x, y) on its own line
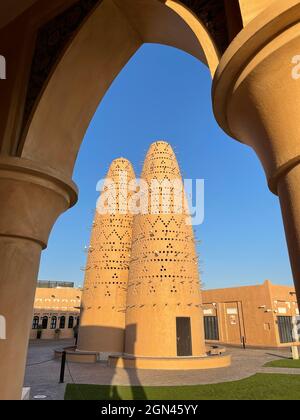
(26, 394)
(170, 363)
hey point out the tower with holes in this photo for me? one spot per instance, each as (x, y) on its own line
(106, 273)
(163, 312)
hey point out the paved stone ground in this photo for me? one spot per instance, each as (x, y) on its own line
(282, 371)
(42, 372)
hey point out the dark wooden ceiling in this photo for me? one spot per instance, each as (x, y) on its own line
(213, 14)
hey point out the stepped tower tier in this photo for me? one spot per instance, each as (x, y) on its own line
(104, 296)
(164, 316)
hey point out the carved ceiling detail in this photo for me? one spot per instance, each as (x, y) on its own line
(52, 39)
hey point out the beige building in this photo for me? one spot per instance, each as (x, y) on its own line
(56, 311)
(266, 315)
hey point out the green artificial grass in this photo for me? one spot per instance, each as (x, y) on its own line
(257, 387)
(284, 363)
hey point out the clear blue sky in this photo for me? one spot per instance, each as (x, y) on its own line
(165, 94)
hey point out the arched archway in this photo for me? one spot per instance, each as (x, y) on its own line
(53, 323)
(102, 47)
(37, 172)
(36, 167)
(71, 322)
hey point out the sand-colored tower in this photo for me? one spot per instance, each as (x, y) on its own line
(104, 295)
(163, 312)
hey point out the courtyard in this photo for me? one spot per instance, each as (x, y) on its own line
(248, 366)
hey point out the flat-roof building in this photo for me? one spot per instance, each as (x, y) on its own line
(265, 315)
(56, 312)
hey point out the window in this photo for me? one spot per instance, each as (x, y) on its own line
(71, 322)
(53, 323)
(285, 326)
(45, 322)
(35, 323)
(211, 328)
(62, 322)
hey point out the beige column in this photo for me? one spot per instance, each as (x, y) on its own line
(289, 194)
(256, 96)
(31, 199)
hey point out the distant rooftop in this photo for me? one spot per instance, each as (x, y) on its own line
(54, 284)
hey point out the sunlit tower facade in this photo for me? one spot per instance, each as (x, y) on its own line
(164, 317)
(106, 274)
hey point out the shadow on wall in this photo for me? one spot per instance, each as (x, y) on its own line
(101, 339)
(111, 338)
(137, 390)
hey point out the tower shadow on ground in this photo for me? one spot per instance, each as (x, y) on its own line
(137, 390)
(110, 391)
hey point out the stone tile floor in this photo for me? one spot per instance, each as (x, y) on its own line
(42, 371)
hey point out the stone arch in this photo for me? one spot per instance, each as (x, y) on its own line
(102, 47)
